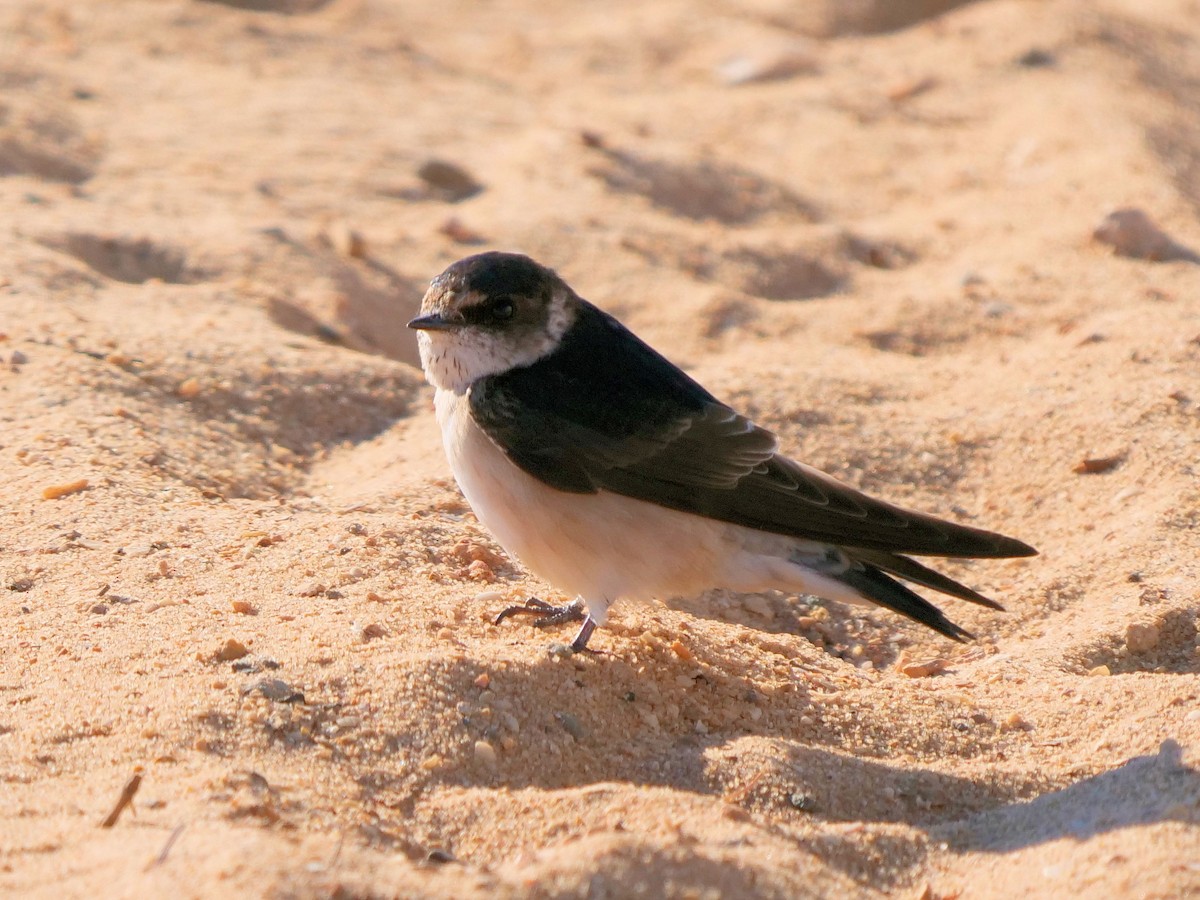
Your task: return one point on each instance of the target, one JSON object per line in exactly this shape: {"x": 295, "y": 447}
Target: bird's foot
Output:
{"x": 549, "y": 614}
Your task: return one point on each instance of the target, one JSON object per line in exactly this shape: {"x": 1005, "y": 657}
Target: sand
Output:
{"x": 235, "y": 574}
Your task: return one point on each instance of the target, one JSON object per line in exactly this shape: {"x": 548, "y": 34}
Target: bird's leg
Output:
{"x": 580, "y": 643}
{"x": 549, "y": 614}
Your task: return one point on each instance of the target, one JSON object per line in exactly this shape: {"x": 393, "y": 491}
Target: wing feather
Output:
{"x": 604, "y": 411}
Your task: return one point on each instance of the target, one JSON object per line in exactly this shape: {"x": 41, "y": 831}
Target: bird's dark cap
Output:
{"x": 495, "y": 273}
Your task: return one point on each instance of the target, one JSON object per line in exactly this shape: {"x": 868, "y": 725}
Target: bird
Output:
{"x": 613, "y": 475}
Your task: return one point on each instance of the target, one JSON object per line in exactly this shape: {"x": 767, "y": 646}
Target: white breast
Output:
{"x": 604, "y": 547}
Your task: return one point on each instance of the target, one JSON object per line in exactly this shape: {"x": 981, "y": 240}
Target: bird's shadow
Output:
{"x": 594, "y": 732}
{"x": 1157, "y": 787}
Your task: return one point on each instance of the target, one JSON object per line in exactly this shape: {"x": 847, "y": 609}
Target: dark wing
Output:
{"x": 606, "y": 412}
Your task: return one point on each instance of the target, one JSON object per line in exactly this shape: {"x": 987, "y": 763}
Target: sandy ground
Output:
{"x": 232, "y": 562}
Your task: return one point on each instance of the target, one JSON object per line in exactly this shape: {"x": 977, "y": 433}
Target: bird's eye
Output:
{"x": 503, "y": 309}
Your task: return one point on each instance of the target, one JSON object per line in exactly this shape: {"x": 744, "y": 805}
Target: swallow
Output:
{"x": 613, "y": 475}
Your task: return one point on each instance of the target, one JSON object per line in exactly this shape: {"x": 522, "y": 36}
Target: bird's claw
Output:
{"x": 547, "y": 613}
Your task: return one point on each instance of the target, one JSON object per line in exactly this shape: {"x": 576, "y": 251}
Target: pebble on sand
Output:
{"x": 1095, "y": 465}
{"x": 1131, "y": 232}
{"x": 448, "y": 180}
{"x": 189, "y": 388}
{"x": 232, "y": 649}
{"x": 485, "y": 753}
{"x": 771, "y": 62}
{"x": 55, "y": 491}
{"x": 1141, "y": 638}
{"x": 345, "y": 240}
{"x": 926, "y": 668}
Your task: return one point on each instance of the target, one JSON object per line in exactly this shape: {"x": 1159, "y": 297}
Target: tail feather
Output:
{"x": 878, "y": 587}
{"x": 911, "y": 570}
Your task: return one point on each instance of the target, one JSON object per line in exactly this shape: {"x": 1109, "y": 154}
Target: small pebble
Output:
{"x": 277, "y": 690}
{"x": 431, "y": 762}
{"x": 480, "y": 571}
{"x": 1036, "y": 58}
{"x": 449, "y": 180}
{"x": 230, "y": 651}
{"x": 1140, "y": 638}
{"x": 55, "y": 491}
{"x": 735, "y": 813}
{"x": 1131, "y": 232}
{"x": 649, "y": 718}
{"x": 801, "y": 801}
{"x": 189, "y": 388}
{"x": 346, "y": 241}
{"x": 483, "y": 680}
{"x": 1098, "y": 464}
{"x": 18, "y": 358}
{"x": 244, "y": 607}
{"x": 682, "y": 651}
{"x": 485, "y": 754}
{"x": 571, "y": 724}
{"x": 769, "y": 63}
{"x": 1125, "y": 494}
{"x": 1014, "y": 722}
{"x": 909, "y": 88}
{"x": 1100, "y": 670}
{"x": 371, "y": 631}
{"x": 925, "y": 669}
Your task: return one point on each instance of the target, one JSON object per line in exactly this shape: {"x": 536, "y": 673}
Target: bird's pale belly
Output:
{"x": 603, "y": 546}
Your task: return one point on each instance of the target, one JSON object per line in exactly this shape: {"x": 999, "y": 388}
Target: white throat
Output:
{"x": 454, "y": 360}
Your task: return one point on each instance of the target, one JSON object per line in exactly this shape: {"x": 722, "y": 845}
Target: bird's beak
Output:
{"x": 433, "y": 322}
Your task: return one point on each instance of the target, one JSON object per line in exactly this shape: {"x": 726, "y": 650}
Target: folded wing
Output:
{"x": 606, "y": 412}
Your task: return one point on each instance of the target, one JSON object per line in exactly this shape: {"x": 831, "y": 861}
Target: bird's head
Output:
{"x": 489, "y": 313}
